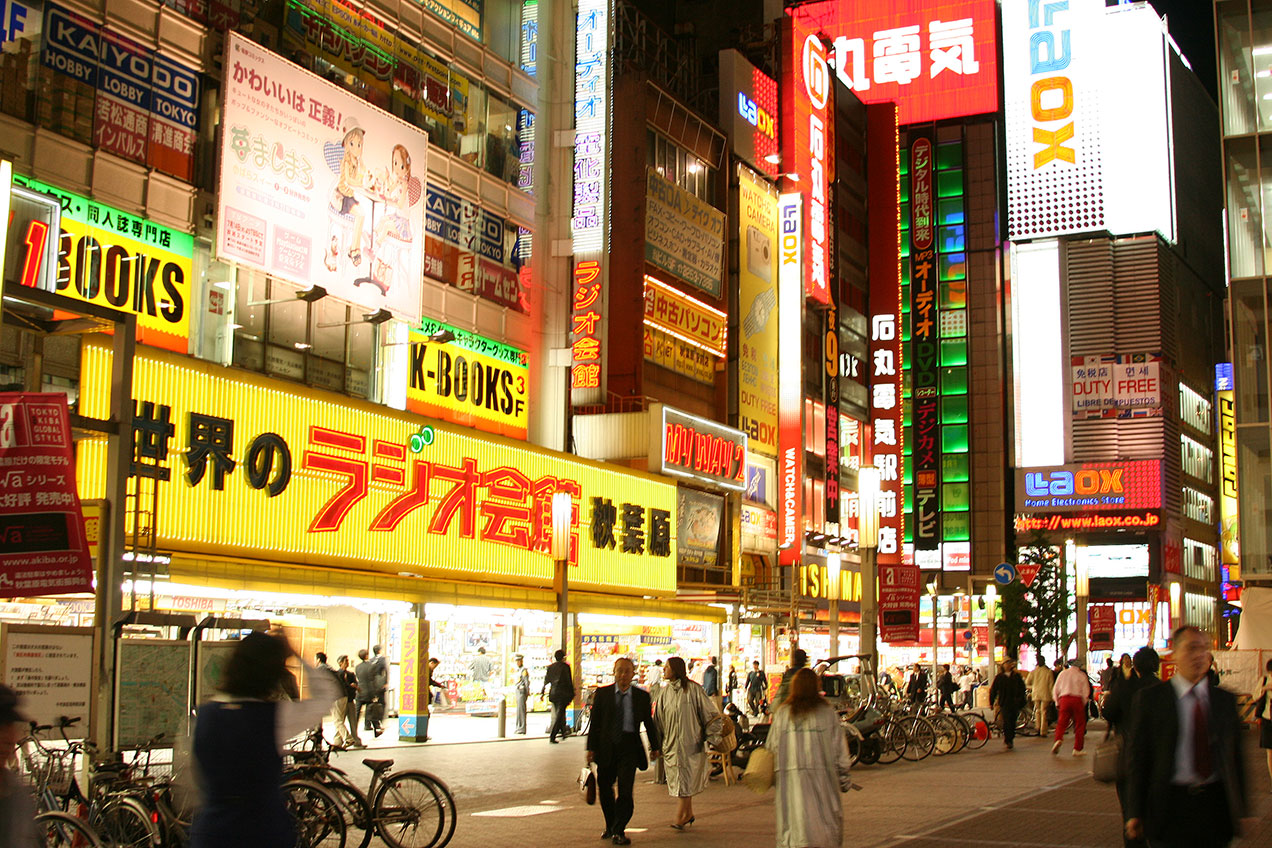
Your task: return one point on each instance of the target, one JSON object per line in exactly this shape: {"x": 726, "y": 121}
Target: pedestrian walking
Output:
{"x": 1106, "y": 674}
{"x": 1186, "y": 784}
{"x": 1008, "y": 695}
{"x": 1120, "y": 708}
{"x": 619, "y": 710}
{"x": 966, "y": 683}
{"x": 654, "y": 677}
{"x": 17, "y": 806}
{"x": 756, "y": 687}
{"x": 343, "y": 712}
{"x": 372, "y": 679}
{"x": 799, "y": 659}
{"x": 1263, "y": 713}
{"x": 730, "y": 690}
{"x": 1072, "y": 691}
{"x": 688, "y": 724}
{"x": 1040, "y": 682}
{"x": 810, "y": 767}
{"x": 916, "y": 688}
{"x": 522, "y": 689}
{"x": 711, "y": 683}
{"x": 946, "y": 687}
{"x": 238, "y": 747}
{"x": 558, "y": 682}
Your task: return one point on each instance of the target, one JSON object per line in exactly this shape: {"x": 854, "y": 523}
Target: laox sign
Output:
{"x": 1101, "y": 481}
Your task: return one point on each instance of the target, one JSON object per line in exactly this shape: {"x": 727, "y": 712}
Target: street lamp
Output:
{"x": 933, "y": 590}
{"x": 868, "y": 544}
{"x": 1082, "y": 585}
{"x": 562, "y": 513}
{"x": 832, "y": 572}
{"x": 1175, "y": 616}
{"x": 991, "y": 602}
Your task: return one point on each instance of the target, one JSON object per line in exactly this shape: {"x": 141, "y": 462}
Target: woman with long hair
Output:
{"x": 238, "y": 746}
{"x": 689, "y": 723}
{"x": 810, "y": 767}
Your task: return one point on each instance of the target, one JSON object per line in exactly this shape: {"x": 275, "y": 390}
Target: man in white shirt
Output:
{"x": 1186, "y": 782}
{"x": 1071, "y": 691}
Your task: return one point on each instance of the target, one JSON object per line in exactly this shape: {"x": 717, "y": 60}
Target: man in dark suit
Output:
{"x": 613, "y": 743}
{"x": 1186, "y": 785}
{"x": 558, "y": 682}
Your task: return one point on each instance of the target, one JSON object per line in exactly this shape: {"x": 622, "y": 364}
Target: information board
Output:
{"x": 212, "y": 657}
{"x": 52, "y": 669}
{"x": 152, "y": 693}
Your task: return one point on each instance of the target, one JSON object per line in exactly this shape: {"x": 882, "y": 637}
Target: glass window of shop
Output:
{"x": 644, "y": 641}
{"x": 1260, "y": 39}
{"x": 323, "y": 344}
{"x": 1254, "y": 471}
{"x": 680, "y": 166}
{"x": 1245, "y": 218}
{"x": 1237, "y": 67}
{"x": 1250, "y": 349}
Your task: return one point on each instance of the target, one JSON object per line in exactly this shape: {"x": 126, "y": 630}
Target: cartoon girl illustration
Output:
{"x": 395, "y": 184}
{"x": 352, "y": 176}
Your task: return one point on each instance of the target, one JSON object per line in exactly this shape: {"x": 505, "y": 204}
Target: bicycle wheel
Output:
{"x": 354, "y": 806}
{"x": 921, "y": 738}
{"x": 893, "y": 743}
{"x": 854, "y": 739}
{"x": 125, "y": 823}
{"x": 448, "y": 807}
{"x": 409, "y": 812}
{"x": 946, "y": 734}
{"x": 316, "y": 813}
{"x": 63, "y": 830}
{"x": 964, "y": 730}
{"x": 980, "y": 731}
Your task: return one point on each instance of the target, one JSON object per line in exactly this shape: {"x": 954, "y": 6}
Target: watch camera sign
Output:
{"x": 790, "y": 424}
{"x": 1093, "y": 486}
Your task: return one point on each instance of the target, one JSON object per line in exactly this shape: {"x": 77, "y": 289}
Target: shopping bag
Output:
{"x": 728, "y": 737}
{"x": 1104, "y": 763}
{"x": 758, "y": 776}
{"x": 375, "y": 712}
{"x": 587, "y": 783}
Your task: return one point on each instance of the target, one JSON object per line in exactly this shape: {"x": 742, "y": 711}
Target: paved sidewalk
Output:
{"x": 522, "y": 792}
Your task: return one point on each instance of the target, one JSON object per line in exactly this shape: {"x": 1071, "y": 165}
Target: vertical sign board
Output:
{"x": 413, "y": 702}
{"x": 831, "y": 363}
{"x": 807, "y": 134}
{"x": 757, "y": 305}
{"x": 43, "y": 546}
{"x": 588, "y": 222}
{"x": 924, "y": 370}
{"x": 898, "y": 581}
{"x": 790, "y": 421}
{"x": 1229, "y": 517}
{"x": 51, "y": 668}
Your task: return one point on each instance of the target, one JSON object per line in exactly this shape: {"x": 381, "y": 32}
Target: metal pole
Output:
{"x": 1082, "y": 628}
{"x": 869, "y": 607}
{"x": 563, "y": 601}
{"x": 936, "y": 639}
{"x": 992, "y": 601}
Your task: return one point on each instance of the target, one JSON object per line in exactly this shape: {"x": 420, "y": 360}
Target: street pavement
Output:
{"x": 522, "y": 792}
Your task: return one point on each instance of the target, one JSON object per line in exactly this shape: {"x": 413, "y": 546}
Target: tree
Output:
{"x": 1037, "y": 615}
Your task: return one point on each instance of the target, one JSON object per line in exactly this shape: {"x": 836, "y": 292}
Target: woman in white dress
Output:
{"x": 689, "y": 723}
{"x": 810, "y": 767}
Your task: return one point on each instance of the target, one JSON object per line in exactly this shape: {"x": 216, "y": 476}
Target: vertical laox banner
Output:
{"x": 924, "y": 370}
{"x": 806, "y": 133}
{"x": 790, "y": 422}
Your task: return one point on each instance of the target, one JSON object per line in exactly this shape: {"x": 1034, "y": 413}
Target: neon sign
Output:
{"x": 755, "y": 116}
{"x": 1093, "y": 486}
{"x": 790, "y": 382}
{"x": 696, "y": 447}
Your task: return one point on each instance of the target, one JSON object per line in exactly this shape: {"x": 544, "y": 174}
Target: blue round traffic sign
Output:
{"x": 1004, "y": 573}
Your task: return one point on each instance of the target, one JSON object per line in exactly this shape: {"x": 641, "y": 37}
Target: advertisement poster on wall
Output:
{"x": 474, "y": 250}
{"x": 684, "y": 236}
{"x": 700, "y": 518}
{"x": 43, "y": 546}
{"x": 470, "y": 380}
{"x": 757, "y": 303}
{"x": 1124, "y": 385}
{"x": 318, "y": 187}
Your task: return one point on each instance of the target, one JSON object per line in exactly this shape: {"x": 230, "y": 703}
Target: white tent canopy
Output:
{"x": 1255, "y": 631}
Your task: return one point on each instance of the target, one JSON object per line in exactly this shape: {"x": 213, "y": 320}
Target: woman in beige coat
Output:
{"x": 689, "y": 723}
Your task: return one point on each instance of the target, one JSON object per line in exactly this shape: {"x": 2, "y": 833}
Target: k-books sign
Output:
{"x": 317, "y": 186}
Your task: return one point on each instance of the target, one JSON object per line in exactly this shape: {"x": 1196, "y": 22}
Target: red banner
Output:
{"x": 43, "y": 547}
{"x": 1101, "y": 622}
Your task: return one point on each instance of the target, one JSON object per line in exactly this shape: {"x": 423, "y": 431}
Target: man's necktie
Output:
{"x": 1201, "y": 738}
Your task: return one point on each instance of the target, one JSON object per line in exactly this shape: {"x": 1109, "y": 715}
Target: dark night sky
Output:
{"x": 1192, "y": 26}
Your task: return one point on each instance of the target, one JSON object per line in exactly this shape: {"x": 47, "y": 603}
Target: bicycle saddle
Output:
{"x": 378, "y": 766}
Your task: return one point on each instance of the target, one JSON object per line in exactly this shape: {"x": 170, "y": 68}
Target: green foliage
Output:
{"x": 1035, "y": 616}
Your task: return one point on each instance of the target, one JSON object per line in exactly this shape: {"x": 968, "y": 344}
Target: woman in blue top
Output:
{"x": 238, "y": 745}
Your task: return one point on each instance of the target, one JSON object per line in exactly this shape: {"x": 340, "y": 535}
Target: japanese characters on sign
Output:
{"x": 147, "y": 106}
{"x": 830, "y": 361}
{"x": 317, "y": 186}
{"x": 1125, "y": 385}
{"x": 52, "y": 669}
{"x": 678, "y": 355}
{"x": 935, "y": 58}
{"x": 474, "y": 250}
{"x": 807, "y": 130}
{"x": 43, "y": 546}
{"x": 757, "y": 305}
{"x": 464, "y": 15}
{"x": 748, "y": 112}
{"x": 122, "y": 261}
{"x": 1229, "y": 513}
{"x": 790, "y": 408}
{"x": 686, "y": 318}
{"x": 346, "y": 37}
{"x": 684, "y": 236}
{"x": 1134, "y": 484}
{"x": 586, "y": 325}
{"x": 701, "y": 449}
{"x": 1077, "y": 78}
{"x": 925, "y": 369}
{"x": 898, "y": 602}
{"x": 591, "y": 125}
{"x": 471, "y": 380}
{"x": 249, "y": 465}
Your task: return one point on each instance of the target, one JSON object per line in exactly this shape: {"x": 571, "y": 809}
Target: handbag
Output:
{"x": 728, "y": 737}
{"x": 587, "y": 784}
{"x": 1093, "y": 710}
{"x": 758, "y": 776}
{"x": 1105, "y": 762}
